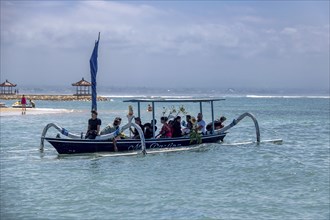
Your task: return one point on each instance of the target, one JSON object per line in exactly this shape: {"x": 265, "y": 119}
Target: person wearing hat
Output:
{"x": 94, "y": 125}
{"x": 112, "y": 127}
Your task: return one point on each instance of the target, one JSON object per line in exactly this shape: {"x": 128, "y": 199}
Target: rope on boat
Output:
{"x": 236, "y": 121}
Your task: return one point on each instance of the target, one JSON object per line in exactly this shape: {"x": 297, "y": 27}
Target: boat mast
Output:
{"x": 212, "y": 115}
{"x": 93, "y": 69}
{"x": 153, "y": 119}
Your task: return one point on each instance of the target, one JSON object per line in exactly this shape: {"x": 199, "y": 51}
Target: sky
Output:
{"x": 168, "y": 44}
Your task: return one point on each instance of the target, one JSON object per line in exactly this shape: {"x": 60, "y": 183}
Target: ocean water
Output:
{"x": 231, "y": 180}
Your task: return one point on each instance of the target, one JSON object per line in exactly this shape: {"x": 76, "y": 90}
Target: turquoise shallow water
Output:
{"x": 216, "y": 181}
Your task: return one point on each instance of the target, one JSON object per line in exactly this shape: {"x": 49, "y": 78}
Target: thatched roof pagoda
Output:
{"x": 83, "y": 87}
{"x": 7, "y": 88}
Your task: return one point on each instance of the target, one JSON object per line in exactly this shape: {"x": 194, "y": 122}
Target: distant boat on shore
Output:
{"x": 3, "y": 105}
{"x": 19, "y": 105}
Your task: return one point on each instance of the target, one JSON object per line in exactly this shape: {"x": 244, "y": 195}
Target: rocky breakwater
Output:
{"x": 52, "y": 97}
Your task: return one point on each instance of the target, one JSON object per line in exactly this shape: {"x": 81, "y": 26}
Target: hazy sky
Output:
{"x": 225, "y": 44}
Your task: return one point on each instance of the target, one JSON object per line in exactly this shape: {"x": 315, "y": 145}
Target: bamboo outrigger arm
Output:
{"x": 110, "y": 136}
{"x": 60, "y": 129}
{"x": 236, "y": 121}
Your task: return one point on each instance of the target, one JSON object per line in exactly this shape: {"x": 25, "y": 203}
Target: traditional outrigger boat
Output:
{"x": 69, "y": 143}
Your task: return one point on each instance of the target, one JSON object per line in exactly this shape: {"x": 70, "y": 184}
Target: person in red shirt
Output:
{"x": 166, "y": 131}
{"x": 23, "y": 103}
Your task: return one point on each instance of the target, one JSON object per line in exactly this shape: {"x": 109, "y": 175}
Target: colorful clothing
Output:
{"x": 23, "y": 101}
{"x": 166, "y": 131}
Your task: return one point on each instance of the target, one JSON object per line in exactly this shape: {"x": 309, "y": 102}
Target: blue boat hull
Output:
{"x": 74, "y": 146}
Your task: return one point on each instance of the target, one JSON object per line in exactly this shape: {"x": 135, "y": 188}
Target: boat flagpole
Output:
{"x": 93, "y": 69}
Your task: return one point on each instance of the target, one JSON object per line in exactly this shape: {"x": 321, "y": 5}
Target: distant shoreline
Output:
{"x": 52, "y": 97}
{"x": 9, "y": 111}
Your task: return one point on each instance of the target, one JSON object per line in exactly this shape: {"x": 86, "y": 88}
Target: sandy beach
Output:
{"x": 51, "y": 97}
{"x": 31, "y": 111}
{"x": 3, "y": 110}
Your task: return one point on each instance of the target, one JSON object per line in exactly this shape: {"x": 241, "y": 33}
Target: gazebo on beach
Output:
{"x": 7, "y": 88}
{"x": 83, "y": 87}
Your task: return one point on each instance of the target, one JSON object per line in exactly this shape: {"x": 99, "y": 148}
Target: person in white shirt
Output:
{"x": 201, "y": 125}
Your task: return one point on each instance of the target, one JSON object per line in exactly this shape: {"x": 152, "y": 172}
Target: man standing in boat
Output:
{"x": 94, "y": 125}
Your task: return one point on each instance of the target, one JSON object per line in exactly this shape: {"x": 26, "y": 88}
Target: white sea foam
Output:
{"x": 125, "y": 96}
{"x": 148, "y": 96}
{"x": 222, "y": 95}
{"x": 287, "y": 96}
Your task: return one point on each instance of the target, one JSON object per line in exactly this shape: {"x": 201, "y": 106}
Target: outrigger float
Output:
{"x": 70, "y": 143}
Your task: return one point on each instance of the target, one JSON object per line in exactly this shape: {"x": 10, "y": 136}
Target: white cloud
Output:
{"x": 147, "y": 29}
{"x": 133, "y": 29}
{"x": 289, "y": 31}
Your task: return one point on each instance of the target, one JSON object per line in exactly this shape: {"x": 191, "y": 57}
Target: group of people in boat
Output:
{"x": 169, "y": 129}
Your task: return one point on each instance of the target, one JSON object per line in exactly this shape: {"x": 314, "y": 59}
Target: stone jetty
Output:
{"x": 52, "y": 97}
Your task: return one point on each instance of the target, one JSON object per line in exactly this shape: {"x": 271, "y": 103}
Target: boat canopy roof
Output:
{"x": 175, "y": 100}
{"x": 162, "y": 100}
